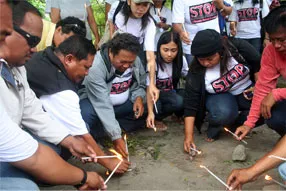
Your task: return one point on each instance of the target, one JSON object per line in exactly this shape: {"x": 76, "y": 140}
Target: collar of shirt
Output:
{"x": 6, "y": 73}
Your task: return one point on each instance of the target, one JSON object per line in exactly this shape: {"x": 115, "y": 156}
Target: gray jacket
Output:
{"x": 98, "y": 85}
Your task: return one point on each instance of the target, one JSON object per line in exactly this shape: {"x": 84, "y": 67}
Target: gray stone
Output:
{"x": 239, "y": 153}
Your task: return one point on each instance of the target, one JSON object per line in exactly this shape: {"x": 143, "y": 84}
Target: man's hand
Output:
{"x": 239, "y": 177}
{"x": 112, "y": 163}
{"x": 93, "y": 182}
{"x": 138, "y": 107}
{"x": 119, "y": 146}
{"x": 218, "y": 4}
{"x": 150, "y": 121}
{"x": 154, "y": 92}
{"x": 232, "y": 28}
{"x": 78, "y": 147}
{"x": 242, "y": 131}
{"x": 184, "y": 36}
{"x": 189, "y": 143}
{"x": 266, "y": 106}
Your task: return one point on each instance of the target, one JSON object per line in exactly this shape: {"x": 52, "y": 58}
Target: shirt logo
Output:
{"x": 249, "y": 14}
{"x": 120, "y": 87}
{"x": 165, "y": 84}
{"x": 225, "y": 82}
{"x": 202, "y": 12}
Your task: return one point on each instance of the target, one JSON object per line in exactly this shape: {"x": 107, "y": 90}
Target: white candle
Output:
{"x": 126, "y": 146}
{"x": 274, "y": 156}
{"x": 105, "y": 182}
{"x": 184, "y": 27}
{"x": 199, "y": 152}
{"x": 235, "y": 135}
{"x": 267, "y": 177}
{"x": 215, "y": 176}
{"x": 98, "y": 157}
{"x": 156, "y": 109}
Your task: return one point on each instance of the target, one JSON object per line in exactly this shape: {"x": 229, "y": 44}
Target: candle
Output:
{"x": 267, "y": 177}
{"x": 274, "y": 156}
{"x": 154, "y": 128}
{"x": 108, "y": 178}
{"x": 198, "y": 151}
{"x": 235, "y": 135}
{"x": 156, "y": 109}
{"x": 184, "y": 27}
{"x": 98, "y": 157}
{"x": 84, "y": 16}
{"x": 215, "y": 176}
{"x": 126, "y": 146}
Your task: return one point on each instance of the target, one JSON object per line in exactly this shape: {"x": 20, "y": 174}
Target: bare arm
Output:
{"x": 189, "y": 133}
{"x": 111, "y": 29}
{"x": 92, "y": 24}
{"x": 151, "y": 68}
{"x": 151, "y": 116}
{"x": 107, "y": 8}
{"x": 55, "y": 15}
{"x": 184, "y": 35}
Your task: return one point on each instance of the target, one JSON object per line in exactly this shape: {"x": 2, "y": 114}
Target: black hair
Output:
{"x": 166, "y": 38}
{"x": 275, "y": 19}
{"x": 73, "y": 24}
{"x": 254, "y": 2}
{"x": 19, "y": 10}
{"x": 126, "y": 11}
{"x": 225, "y": 55}
{"x": 124, "y": 41}
{"x": 78, "y": 46}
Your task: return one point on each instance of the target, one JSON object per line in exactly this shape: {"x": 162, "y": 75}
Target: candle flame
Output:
{"x": 199, "y": 152}
{"x": 267, "y": 177}
{"x": 85, "y": 6}
{"x": 119, "y": 156}
{"x": 226, "y": 129}
{"x": 202, "y": 166}
{"x": 107, "y": 173}
{"x": 125, "y": 137}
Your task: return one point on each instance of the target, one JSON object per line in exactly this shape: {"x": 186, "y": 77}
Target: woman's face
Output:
{"x": 169, "y": 51}
{"x": 138, "y": 10}
{"x": 210, "y": 61}
{"x": 278, "y": 40}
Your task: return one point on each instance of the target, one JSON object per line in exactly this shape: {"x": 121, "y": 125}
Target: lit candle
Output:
{"x": 108, "y": 178}
{"x": 274, "y": 156}
{"x": 126, "y": 146}
{"x": 99, "y": 157}
{"x": 215, "y": 176}
{"x": 235, "y": 135}
{"x": 154, "y": 128}
{"x": 267, "y": 177}
{"x": 198, "y": 151}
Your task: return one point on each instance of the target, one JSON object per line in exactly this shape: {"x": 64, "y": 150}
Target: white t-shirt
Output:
{"x": 164, "y": 81}
{"x": 120, "y": 89}
{"x": 248, "y": 18}
{"x": 110, "y": 2}
{"x": 75, "y": 8}
{"x": 15, "y": 144}
{"x": 234, "y": 81}
{"x": 133, "y": 26}
{"x": 64, "y": 108}
{"x": 196, "y": 15}
{"x": 164, "y": 13}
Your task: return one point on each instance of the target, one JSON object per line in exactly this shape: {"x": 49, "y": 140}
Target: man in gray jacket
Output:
{"x": 114, "y": 90}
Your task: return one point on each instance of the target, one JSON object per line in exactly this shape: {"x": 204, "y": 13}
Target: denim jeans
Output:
{"x": 282, "y": 170}
{"x": 17, "y": 184}
{"x": 223, "y": 110}
{"x": 124, "y": 115}
{"x": 255, "y": 42}
{"x": 277, "y": 121}
{"x": 168, "y": 103}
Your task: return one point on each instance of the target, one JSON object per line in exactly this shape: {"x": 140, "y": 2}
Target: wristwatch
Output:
{"x": 83, "y": 181}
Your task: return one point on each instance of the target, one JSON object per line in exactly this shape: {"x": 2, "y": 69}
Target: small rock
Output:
{"x": 239, "y": 153}
{"x": 148, "y": 156}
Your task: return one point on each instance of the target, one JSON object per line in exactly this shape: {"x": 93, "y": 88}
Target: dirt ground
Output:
{"x": 159, "y": 162}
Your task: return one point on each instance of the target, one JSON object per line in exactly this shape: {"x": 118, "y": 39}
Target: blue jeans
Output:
{"x": 277, "y": 121}
{"x": 255, "y": 42}
{"x": 124, "y": 115}
{"x": 169, "y": 102}
{"x": 223, "y": 110}
{"x": 282, "y": 170}
{"x": 17, "y": 184}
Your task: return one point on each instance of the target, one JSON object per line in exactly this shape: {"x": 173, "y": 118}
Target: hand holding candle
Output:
{"x": 156, "y": 109}
{"x": 267, "y": 177}
{"x": 126, "y": 146}
{"x": 215, "y": 176}
{"x": 235, "y": 135}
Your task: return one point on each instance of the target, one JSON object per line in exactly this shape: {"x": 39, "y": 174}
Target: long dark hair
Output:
{"x": 225, "y": 54}
{"x": 166, "y": 38}
{"x": 254, "y": 2}
{"x": 126, "y": 11}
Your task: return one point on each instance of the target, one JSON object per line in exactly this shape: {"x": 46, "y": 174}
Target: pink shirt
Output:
{"x": 273, "y": 64}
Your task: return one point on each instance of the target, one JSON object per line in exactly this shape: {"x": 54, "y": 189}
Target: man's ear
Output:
{"x": 129, "y": 2}
{"x": 59, "y": 29}
{"x": 68, "y": 59}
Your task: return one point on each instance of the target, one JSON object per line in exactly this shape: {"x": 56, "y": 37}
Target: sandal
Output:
{"x": 161, "y": 126}
{"x": 210, "y": 140}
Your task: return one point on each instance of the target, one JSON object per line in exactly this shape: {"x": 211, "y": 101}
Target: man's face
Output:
{"x": 278, "y": 39}
{"x": 77, "y": 69}
{"x": 6, "y": 27}
{"x": 59, "y": 36}
{"x": 20, "y": 50}
{"x": 123, "y": 60}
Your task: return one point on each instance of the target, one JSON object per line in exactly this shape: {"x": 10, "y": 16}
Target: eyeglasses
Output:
{"x": 31, "y": 39}
{"x": 76, "y": 29}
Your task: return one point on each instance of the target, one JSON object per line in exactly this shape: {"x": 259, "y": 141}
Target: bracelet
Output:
{"x": 83, "y": 181}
